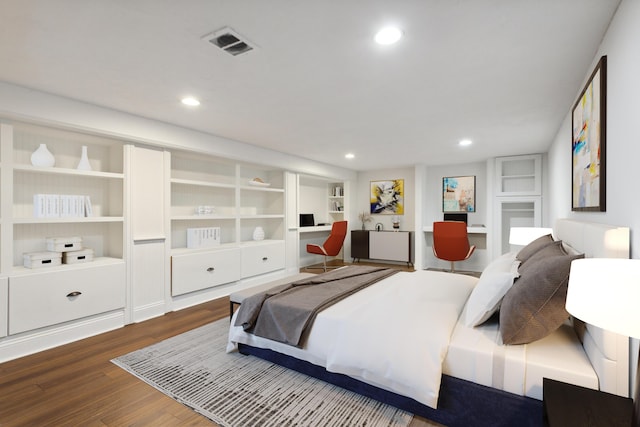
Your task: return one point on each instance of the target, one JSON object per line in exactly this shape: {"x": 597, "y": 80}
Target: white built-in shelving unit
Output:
{"x": 518, "y": 201}
{"x": 235, "y": 197}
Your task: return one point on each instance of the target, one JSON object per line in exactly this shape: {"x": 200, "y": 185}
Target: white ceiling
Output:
{"x": 501, "y": 72}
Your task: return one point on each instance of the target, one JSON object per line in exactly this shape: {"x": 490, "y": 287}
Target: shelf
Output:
{"x": 66, "y": 171}
{"x": 68, "y": 220}
{"x": 201, "y": 183}
{"x": 202, "y": 217}
{"x": 264, "y": 189}
{"x": 262, "y": 216}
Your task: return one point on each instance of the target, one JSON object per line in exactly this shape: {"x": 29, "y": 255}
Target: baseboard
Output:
{"x": 24, "y": 344}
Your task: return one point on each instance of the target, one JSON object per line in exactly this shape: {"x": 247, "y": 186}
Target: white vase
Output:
{"x": 84, "y": 164}
{"x": 42, "y": 157}
{"x": 258, "y": 233}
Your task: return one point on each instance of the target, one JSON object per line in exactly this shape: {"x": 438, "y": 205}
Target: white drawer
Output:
{"x": 262, "y": 258}
{"x": 202, "y": 270}
{"x": 50, "y": 297}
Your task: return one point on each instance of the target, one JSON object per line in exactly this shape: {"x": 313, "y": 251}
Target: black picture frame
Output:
{"x": 588, "y": 144}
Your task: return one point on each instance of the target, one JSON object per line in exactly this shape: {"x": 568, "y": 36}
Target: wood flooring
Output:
{"x": 77, "y": 385}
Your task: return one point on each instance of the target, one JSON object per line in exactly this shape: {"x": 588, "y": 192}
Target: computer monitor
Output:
{"x": 456, "y": 217}
{"x": 307, "y": 220}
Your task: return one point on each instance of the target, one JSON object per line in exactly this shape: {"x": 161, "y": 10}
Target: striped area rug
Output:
{"x": 234, "y": 390}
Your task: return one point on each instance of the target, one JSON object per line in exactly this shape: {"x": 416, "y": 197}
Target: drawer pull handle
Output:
{"x": 264, "y": 258}
{"x": 74, "y": 294}
{"x": 210, "y": 269}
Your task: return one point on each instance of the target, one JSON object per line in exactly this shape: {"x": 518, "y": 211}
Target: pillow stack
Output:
{"x": 535, "y": 305}
{"x": 528, "y": 288}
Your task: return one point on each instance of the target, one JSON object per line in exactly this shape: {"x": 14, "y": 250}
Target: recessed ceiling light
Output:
{"x": 388, "y": 35}
{"x": 190, "y": 101}
{"x": 465, "y": 142}
{"x": 349, "y": 156}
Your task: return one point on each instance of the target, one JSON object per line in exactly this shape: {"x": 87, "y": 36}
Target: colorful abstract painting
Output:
{"x": 387, "y": 197}
{"x": 459, "y": 194}
{"x": 588, "y": 144}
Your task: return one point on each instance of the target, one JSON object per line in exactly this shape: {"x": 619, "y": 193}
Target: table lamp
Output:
{"x": 605, "y": 292}
{"x": 522, "y": 236}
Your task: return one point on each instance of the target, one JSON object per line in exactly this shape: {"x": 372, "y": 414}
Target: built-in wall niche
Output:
{"x": 105, "y": 154}
{"x": 104, "y": 191}
{"x": 261, "y": 201}
{"x": 202, "y": 200}
{"x": 192, "y": 168}
{"x": 256, "y": 176}
{"x": 516, "y": 212}
{"x": 179, "y": 231}
{"x": 273, "y": 228}
{"x": 104, "y": 237}
{"x": 313, "y": 196}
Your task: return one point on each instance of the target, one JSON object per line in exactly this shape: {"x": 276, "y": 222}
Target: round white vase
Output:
{"x": 84, "y": 164}
{"x": 258, "y": 233}
{"x": 42, "y": 157}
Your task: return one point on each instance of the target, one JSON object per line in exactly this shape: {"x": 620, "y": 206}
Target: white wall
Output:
{"x": 620, "y": 44}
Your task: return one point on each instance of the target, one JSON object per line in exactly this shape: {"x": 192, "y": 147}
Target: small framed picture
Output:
{"x": 459, "y": 194}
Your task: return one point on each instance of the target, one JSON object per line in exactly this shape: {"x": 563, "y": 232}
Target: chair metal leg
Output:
{"x": 452, "y": 267}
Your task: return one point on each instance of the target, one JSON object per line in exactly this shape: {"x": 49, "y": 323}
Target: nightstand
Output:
{"x": 569, "y": 405}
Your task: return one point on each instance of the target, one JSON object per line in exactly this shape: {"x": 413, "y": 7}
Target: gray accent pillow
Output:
{"x": 535, "y": 305}
{"x": 555, "y": 248}
{"x": 533, "y": 247}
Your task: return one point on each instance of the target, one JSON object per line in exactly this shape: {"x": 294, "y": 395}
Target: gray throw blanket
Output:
{"x": 285, "y": 313}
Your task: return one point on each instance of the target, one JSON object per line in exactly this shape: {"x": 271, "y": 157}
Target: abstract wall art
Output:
{"x": 387, "y": 197}
{"x": 588, "y": 138}
{"x": 459, "y": 194}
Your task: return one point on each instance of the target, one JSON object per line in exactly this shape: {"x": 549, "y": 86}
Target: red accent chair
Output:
{"x": 451, "y": 242}
{"x": 333, "y": 244}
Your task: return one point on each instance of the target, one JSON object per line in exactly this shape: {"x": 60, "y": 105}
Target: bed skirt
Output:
{"x": 461, "y": 403}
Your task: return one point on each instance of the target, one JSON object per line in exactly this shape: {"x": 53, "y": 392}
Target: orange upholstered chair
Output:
{"x": 450, "y": 241}
{"x": 333, "y": 244}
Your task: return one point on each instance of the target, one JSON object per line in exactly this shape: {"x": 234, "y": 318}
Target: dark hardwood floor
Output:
{"x": 77, "y": 385}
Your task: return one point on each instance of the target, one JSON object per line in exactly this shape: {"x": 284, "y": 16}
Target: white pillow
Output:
{"x": 506, "y": 262}
{"x": 486, "y": 297}
{"x": 495, "y": 281}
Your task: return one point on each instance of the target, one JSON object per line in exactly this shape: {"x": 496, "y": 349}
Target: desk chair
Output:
{"x": 333, "y": 244}
{"x": 451, "y": 242}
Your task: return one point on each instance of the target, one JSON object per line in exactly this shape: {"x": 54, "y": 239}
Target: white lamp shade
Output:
{"x": 605, "y": 292}
{"x": 522, "y": 236}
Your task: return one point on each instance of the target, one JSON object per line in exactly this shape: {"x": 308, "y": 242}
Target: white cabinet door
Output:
{"x": 391, "y": 246}
{"x": 50, "y": 297}
{"x": 262, "y": 258}
{"x": 202, "y": 270}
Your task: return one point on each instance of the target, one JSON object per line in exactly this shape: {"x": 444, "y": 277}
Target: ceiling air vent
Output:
{"x": 229, "y": 41}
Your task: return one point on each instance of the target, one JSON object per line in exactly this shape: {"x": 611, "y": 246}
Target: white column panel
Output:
{"x": 147, "y": 193}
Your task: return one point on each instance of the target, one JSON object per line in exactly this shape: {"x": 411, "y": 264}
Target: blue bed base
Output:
{"x": 461, "y": 403}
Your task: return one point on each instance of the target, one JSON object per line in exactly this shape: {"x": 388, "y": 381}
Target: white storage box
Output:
{"x": 64, "y": 244}
{"x": 42, "y": 259}
{"x": 74, "y": 257}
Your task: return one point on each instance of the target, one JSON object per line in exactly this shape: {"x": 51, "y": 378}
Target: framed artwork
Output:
{"x": 387, "y": 197}
{"x": 588, "y": 144}
{"x": 459, "y": 194}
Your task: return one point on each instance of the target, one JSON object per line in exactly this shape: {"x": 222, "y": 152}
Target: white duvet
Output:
{"x": 393, "y": 335}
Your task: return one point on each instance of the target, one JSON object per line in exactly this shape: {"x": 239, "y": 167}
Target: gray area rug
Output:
{"x": 235, "y": 390}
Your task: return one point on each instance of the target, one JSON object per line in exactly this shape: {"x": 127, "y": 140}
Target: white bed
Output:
{"x": 386, "y": 349}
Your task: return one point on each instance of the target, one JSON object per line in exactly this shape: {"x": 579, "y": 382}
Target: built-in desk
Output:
{"x": 314, "y": 229}
{"x": 470, "y": 230}
{"x": 382, "y": 245}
